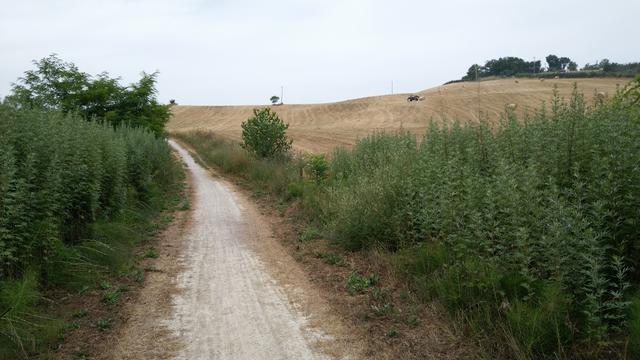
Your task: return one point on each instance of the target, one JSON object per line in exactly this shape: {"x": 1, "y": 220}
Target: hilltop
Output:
{"x": 321, "y": 127}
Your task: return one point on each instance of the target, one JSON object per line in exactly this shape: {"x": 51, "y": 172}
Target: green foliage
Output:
{"x": 540, "y": 326}
{"x": 310, "y": 232}
{"x": 504, "y": 66}
{"x": 331, "y": 259}
{"x": 23, "y": 328}
{"x": 421, "y": 260}
{"x": 264, "y": 134}
{"x": 274, "y": 99}
{"x": 357, "y": 283}
{"x": 81, "y": 313}
{"x": 59, "y": 85}
{"x": 543, "y": 204}
{"x": 554, "y": 63}
{"x": 634, "y": 325}
{"x": 75, "y": 198}
{"x": 384, "y": 309}
{"x": 137, "y": 275}
{"x": 103, "y": 324}
{"x": 359, "y": 198}
{"x": 392, "y": 332}
{"x": 557, "y": 66}
{"x": 606, "y": 66}
{"x": 112, "y": 296}
{"x": 61, "y": 174}
{"x": 105, "y": 285}
{"x": 317, "y": 166}
{"x": 631, "y": 93}
{"x": 151, "y": 253}
{"x": 266, "y": 175}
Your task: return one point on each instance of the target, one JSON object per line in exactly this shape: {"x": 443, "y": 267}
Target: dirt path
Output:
{"x": 232, "y": 302}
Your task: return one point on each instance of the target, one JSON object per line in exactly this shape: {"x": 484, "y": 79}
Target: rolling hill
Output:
{"x": 321, "y": 127}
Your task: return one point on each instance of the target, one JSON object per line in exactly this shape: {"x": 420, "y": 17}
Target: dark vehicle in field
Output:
{"x": 413, "y": 98}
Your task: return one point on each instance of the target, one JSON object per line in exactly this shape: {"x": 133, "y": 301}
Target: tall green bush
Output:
{"x": 265, "y": 134}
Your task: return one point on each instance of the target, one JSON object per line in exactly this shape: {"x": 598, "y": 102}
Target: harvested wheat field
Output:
{"x": 321, "y": 127}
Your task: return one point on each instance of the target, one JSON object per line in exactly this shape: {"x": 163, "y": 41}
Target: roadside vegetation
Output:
{"x": 526, "y": 232}
{"x": 78, "y": 192}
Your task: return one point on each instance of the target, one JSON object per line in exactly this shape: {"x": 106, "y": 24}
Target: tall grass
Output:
{"x": 75, "y": 197}
{"x": 527, "y": 232}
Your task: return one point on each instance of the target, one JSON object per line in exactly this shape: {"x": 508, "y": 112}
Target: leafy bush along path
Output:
{"x": 230, "y": 306}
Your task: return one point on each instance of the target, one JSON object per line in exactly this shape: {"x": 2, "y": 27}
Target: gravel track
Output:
{"x": 228, "y": 306}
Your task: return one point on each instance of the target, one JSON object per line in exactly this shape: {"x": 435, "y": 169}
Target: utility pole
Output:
{"x": 478, "y": 92}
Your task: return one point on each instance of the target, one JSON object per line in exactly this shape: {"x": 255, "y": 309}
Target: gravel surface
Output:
{"x": 228, "y": 306}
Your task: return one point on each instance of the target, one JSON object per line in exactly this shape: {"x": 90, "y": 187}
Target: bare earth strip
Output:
{"x": 321, "y": 127}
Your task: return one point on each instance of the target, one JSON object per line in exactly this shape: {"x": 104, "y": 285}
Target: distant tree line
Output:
{"x": 511, "y": 65}
{"x": 505, "y": 66}
{"x": 609, "y": 66}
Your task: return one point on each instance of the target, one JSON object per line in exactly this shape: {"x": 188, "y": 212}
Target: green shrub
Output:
{"x": 264, "y": 134}
{"x": 357, "y": 283}
{"x": 317, "y": 166}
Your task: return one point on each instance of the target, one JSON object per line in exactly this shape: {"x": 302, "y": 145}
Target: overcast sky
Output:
{"x": 240, "y": 52}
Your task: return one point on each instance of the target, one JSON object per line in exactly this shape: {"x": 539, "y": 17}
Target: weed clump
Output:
{"x": 103, "y": 324}
{"x": 357, "y": 283}
{"x": 331, "y": 259}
